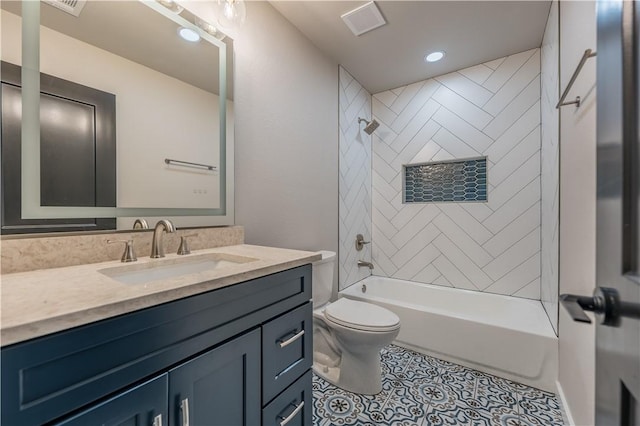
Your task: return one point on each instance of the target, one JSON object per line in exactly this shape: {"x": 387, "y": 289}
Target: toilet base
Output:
{"x": 330, "y": 374}
{"x": 358, "y": 376}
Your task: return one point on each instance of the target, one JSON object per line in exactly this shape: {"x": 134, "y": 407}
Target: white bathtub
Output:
{"x": 501, "y": 335}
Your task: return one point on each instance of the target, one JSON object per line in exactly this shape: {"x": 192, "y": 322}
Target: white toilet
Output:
{"x": 348, "y": 334}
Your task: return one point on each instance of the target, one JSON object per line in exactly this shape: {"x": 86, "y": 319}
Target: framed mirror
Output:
{"x": 172, "y": 124}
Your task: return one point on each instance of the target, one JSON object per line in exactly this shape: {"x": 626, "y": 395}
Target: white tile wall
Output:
{"x": 550, "y": 155}
{"x": 355, "y": 179}
{"x": 493, "y": 110}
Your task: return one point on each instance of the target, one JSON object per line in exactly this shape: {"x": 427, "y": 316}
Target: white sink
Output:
{"x": 162, "y": 269}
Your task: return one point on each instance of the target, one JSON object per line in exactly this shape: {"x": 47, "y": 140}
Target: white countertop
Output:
{"x": 41, "y": 302}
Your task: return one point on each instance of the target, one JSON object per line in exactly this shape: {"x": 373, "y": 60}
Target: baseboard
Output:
{"x": 566, "y": 412}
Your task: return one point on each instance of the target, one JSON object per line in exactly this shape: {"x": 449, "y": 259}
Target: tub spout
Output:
{"x": 362, "y": 263}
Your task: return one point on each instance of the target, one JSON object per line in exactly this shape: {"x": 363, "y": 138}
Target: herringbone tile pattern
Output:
{"x": 355, "y": 179}
{"x": 492, "y": 110}
{"x": 550, "y": 159}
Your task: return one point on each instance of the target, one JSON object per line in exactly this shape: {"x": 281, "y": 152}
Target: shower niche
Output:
{"x": 454, "y": 180}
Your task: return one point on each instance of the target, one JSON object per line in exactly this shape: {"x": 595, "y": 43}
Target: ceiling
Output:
{"x": 470, "y": 32}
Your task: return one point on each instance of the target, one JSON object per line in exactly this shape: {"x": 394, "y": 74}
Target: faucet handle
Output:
{"x": 360, "y": 242}
{"x": 184, "y": 244}
{"x": 129, "y": 255}
{"x": 140, "y": 223}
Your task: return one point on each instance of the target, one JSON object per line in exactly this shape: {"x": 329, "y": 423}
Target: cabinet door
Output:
{"x": 144, "y": 405}
{"x": 220, "y": 387}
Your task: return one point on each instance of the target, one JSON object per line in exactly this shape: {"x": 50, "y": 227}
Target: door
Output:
{"x": 220, "y": 387}
{"x": 77, "y": 152}
{"x": 144, "y": 405}
{"x": 618, "y": 218}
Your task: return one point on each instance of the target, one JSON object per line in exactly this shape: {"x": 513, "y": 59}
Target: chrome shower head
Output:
{"x": 371, "y": 125}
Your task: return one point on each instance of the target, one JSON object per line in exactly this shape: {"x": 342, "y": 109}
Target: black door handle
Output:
{"x": 605, "y": 302}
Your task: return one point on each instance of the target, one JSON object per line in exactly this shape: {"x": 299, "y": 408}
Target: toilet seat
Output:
{"x": 361, "y": 316}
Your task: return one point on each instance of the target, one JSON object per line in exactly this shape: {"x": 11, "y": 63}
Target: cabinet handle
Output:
{"x": 284, "y": 343}
{"x": 157, "y": 420}
{"x": 290, "y": 417}
{"x": 184, "y": 407}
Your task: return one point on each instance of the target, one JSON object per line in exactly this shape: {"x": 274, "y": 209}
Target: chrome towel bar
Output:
{"x": 587, "y": 54}
{"x": 189, "y": 164}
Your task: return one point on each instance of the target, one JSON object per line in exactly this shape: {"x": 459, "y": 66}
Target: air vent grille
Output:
{"x": 364, "y": 19}
{"x": 72, "y": 7}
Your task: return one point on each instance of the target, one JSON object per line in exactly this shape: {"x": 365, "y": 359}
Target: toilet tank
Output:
{"x": 322, "y": 278}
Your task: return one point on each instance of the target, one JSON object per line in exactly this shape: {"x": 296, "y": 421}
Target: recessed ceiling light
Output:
{"x": 434, "y": 56}
{"x": 188, "y": 34}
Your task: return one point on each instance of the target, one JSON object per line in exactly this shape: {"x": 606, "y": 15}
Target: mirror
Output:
{"x": 173, "y": 114}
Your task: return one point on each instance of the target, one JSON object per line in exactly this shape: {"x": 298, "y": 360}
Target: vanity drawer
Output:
{"x": 287, "y": 350}
{"x": 293, "y": 407}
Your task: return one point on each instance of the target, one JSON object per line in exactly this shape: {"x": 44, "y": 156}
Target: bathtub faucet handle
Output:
{"x": 360, "y": 242}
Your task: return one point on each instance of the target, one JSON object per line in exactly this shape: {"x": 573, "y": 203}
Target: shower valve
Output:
{"x": 360, "y": 242}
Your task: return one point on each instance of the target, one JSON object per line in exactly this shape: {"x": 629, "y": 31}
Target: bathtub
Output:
{"x": 506, "y": 336}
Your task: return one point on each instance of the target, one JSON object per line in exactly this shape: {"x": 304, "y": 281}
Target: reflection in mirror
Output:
{"x": 167, "y": 104}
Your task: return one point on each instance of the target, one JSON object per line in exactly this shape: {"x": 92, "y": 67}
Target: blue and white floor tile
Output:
{"x": 418, "y": 390}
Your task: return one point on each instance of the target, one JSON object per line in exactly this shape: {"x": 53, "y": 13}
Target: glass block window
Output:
{"x": 459, "y": 181}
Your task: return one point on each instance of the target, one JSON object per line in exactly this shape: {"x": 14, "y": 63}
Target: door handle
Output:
{"x": 605, "y": 302}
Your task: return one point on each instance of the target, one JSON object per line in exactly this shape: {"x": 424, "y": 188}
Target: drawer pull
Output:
{"x": 184, "y": 407}
{"x": 157, "y": 420}
{"x": 284, "y": 343}
{"x": 294, "y": 413}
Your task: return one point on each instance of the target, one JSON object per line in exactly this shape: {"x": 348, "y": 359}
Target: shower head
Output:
{"x": 371, "y": 125}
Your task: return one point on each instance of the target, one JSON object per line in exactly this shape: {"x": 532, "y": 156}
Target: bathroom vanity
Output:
{"x": 236, "y": 351}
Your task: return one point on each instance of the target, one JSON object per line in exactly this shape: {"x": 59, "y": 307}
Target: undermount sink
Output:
{"x": 163, "y": 269}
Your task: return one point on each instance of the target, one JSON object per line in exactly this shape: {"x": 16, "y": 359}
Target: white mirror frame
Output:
{"x": 31, "y": 208}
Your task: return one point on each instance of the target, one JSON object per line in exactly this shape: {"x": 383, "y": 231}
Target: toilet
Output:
{"x": 348, "y": 334}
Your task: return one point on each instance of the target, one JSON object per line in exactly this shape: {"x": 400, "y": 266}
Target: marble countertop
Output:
{"x": 45, "y": 301}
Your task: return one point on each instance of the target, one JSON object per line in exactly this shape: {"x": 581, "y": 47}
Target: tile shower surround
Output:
{"x": 354, "y": 179}
{"x": 489, "y": 110}
{"x": 420, "y": 390}
{"x": 550, "y": 165}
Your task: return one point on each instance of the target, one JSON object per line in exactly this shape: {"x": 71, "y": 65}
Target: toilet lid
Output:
{"x": 361, "y": 315}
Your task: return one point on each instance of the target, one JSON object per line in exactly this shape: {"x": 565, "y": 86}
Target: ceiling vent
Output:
{"x": 72, "y": 7}
{"x": 363, "y": 19}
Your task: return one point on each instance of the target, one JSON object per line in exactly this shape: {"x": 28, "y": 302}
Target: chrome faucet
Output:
{"x": 156, "y": 244}
{"x": 362, "y": 263}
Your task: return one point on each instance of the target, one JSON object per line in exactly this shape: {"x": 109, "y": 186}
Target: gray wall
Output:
{"x": 286, "y": 99}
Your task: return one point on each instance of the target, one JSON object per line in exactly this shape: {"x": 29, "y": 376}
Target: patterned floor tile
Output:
{"x": 418, "y": 390}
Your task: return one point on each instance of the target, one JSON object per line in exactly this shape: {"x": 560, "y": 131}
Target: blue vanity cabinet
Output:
{"x": 287, "y": 350}
{"x": 144, "y": 405}
{"x": 220, "y": 387}
{"x": 198, "y": 358}
{"x": 293, "y": 407}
